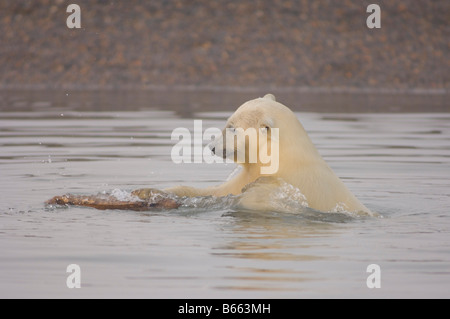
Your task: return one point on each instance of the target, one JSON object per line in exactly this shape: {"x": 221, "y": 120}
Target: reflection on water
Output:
{"x": 267, "y": 235}
{"x": 272, "y": 249}
{"x": 396, "y": 164}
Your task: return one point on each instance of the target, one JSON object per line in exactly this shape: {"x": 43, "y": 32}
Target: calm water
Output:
{"x": 397, "y": 164}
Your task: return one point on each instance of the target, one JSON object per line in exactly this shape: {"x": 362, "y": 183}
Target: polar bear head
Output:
{"x": 264, "y": 134}
{"x": 257, "y": 131}
{"x": 250, "y": 137}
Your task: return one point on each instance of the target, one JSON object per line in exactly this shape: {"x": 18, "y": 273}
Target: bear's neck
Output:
{"x": 251, "y": 172}
{"x": 295, "y": 155}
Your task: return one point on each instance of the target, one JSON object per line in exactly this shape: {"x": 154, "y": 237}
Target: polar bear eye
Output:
{"x": 231, "y": 129}
{"x": 266, "y": 124}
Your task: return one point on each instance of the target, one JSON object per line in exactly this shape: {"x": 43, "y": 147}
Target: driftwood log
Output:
{"x": 146, "y": 199}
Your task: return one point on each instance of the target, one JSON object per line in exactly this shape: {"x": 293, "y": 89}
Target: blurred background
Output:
{"x": 214, "y": 55}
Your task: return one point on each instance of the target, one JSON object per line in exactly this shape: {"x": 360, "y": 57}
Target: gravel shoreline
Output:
{"x": 314, "y": 55}
{"x": 319, "y": 43}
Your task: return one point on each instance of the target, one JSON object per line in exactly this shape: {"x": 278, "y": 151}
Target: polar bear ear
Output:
{"x": 270, "y": 97}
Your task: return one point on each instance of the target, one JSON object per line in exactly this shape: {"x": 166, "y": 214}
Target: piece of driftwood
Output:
{"x": 146, "y": 199}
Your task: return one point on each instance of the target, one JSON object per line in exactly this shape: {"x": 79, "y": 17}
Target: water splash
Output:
{"x": 123, "y": 195}
{"x": 288, "y": 197}
{"x": 208, "y": 204}
{"x": 267, "y": 195}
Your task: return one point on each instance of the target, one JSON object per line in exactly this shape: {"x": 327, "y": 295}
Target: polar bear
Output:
{"x": 281, "y": 155}
{"x": 299, "y": 163}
